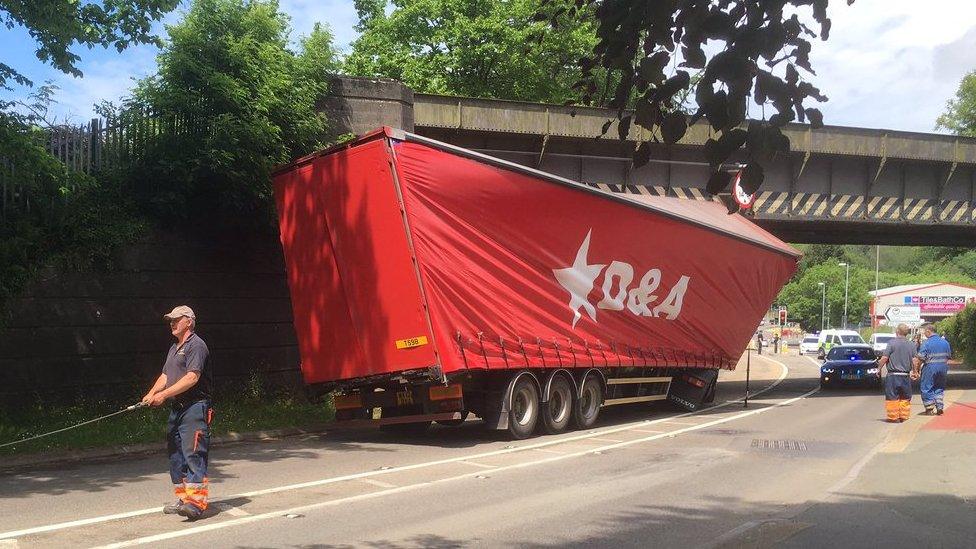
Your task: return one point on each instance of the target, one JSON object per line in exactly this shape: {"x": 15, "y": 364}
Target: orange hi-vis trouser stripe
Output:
{"x": 180, "y": 490}
{"x": 898, "y": 409}
{"x": 197, "y": 494}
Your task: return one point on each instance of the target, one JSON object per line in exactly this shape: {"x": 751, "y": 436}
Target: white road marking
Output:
{"x": 646, "y": 431}
{"x": 473, "y": 464}
{"x": 601, "y": 439}
{"x": 508, "y": 449}
{"x": 681, "y": 422}
{"x": 549, "y": 451}
{"x": 322, "y": 504}
{"x": 379, "y": 483}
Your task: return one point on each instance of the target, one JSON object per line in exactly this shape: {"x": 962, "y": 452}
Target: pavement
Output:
{"x": 798, "y": 467}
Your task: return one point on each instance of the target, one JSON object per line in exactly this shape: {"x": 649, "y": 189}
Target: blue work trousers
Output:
{"x": 932, "y": 384}
{"x": 188, "y": 442}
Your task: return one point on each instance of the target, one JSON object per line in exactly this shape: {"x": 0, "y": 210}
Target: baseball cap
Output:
{"x": 178, "y": 311}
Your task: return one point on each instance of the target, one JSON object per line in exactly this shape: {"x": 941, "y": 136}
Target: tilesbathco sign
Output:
{"x": 949, "y": 304}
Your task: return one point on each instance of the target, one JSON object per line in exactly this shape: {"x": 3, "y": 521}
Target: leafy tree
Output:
{"x": 57, "y": 25}
{"x": 747, "y": 49}
{"x": 236, "y": 103}
{"x": 960, "y": 330}
{"x": 472, "y": 48}
{"x": 960, "y": 114}
{"x": 802, "y": 296}
{"x": 73, "y": 220}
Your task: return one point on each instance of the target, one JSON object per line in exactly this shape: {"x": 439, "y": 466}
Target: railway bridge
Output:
{"x": 838, "y": 184}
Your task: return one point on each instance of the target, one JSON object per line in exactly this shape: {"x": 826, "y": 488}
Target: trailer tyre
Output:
{"x": 523, "y": 409}
{"x": 558, "y": 412}
{"x": 587, "y": 407}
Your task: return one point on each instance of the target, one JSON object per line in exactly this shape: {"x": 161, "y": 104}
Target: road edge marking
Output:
{"x": 784, "y": 372}
{"x": 323, "y": 504}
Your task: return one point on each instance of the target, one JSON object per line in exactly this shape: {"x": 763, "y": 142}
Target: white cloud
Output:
{"x": 108, "y": 78}
{"x": 893, "y": 63}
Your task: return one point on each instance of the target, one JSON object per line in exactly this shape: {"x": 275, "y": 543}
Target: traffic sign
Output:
{"x": 904, "y": 313}
{"x": 741, "y": 197}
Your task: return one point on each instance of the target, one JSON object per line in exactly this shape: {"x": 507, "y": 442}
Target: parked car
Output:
{"x": 880, "y": 341}
{"x": 828, "y": 338}
{"x": 850, "y": 364}
{"x": 809, "y": 344}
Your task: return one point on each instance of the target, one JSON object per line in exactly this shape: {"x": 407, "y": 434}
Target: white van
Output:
{"x": 829, "y": 338}
{"x": 879, "y": 341}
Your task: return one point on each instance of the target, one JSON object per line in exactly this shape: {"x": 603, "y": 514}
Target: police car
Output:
{"x": 850, "y": 365}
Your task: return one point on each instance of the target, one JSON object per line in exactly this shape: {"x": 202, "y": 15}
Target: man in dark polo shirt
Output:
{"x": 187, "y": 382}
{"x": 898, "y": 357}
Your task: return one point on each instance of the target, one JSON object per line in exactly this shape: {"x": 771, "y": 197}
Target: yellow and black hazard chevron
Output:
{"x": 772, "y": 203}
{"x": 884, "y": 208}
{"x": 690, "y": 193}
{"x": 650, "y": 190}
{"x": 810, "y": 204}
{"x": 955, "y": 211}
{"x": 918, "y": 210}
{"x": 846, "y": 206}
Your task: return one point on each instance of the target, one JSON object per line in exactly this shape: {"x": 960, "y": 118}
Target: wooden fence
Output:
{"x": 101, "y": 144}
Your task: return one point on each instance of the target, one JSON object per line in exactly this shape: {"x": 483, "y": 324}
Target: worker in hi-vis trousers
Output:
{"x": 933, "y": 359}
{"x": 898, "y": 358}
{"x": 187, "y": 381}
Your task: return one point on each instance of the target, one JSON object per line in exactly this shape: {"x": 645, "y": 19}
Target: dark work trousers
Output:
{"x": 898, "y": 396}
{"x": 188, "y": 442}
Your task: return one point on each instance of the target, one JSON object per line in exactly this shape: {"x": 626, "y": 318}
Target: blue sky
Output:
{"x": 888, "y": 63}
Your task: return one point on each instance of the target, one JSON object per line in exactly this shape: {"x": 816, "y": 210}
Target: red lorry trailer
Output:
{"x": 429, "y": 281}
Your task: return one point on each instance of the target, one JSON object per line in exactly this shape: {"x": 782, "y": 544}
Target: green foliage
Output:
{"x": 247, "y": 104}
{"x": 471, "y": 48}
{"x": 64, "y": 217}
{"x": 802, "y": 296}
{"x": 960, "y": 330}
{"x": 898, "y": 265}
{"x": 59, "y": 25}
{"x": 747, "y": 49}
{"x": 235, "y": 413}
{"x": 960, "y": 113}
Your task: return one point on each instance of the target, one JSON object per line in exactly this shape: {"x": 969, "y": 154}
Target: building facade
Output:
{"x": 935, "y": 301}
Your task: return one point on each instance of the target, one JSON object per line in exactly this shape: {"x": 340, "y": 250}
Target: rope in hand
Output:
{"x": 75, "y": 426}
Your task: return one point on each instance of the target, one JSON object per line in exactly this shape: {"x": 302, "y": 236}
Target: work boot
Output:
{"x": 190, "y": 511}
{"x": 928, "y": 412}
{"x": 939, "y": 412}
{"x": 172, "y": 508}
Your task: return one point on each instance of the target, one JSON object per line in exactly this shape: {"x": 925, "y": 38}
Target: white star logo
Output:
{"x": 578, "y": 281}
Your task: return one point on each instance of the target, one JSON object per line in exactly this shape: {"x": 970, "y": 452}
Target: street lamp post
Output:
{"x": 823, "y": 304}
{"x": 847, "y": 282}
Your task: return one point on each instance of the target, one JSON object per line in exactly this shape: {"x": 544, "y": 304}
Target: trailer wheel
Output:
{"x": 558, "y": 412}
{"x": 587, "y": 408}
{"x": 523, "y": 409}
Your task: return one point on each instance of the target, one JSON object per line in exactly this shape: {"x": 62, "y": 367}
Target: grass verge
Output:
{"x": 240, "y": 413}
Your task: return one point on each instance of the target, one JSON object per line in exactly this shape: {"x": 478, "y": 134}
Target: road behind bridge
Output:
{"x": 797, "y": 468}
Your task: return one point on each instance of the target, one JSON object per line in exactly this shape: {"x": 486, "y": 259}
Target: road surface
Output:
{"x": 799, "y": 467}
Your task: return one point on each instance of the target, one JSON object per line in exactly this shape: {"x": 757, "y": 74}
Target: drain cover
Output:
{"x": 786, "y": 445}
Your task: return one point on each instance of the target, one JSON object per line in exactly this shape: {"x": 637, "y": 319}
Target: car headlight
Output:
{"x": 871, "y": 371}
{"x": 827, "y": 370}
